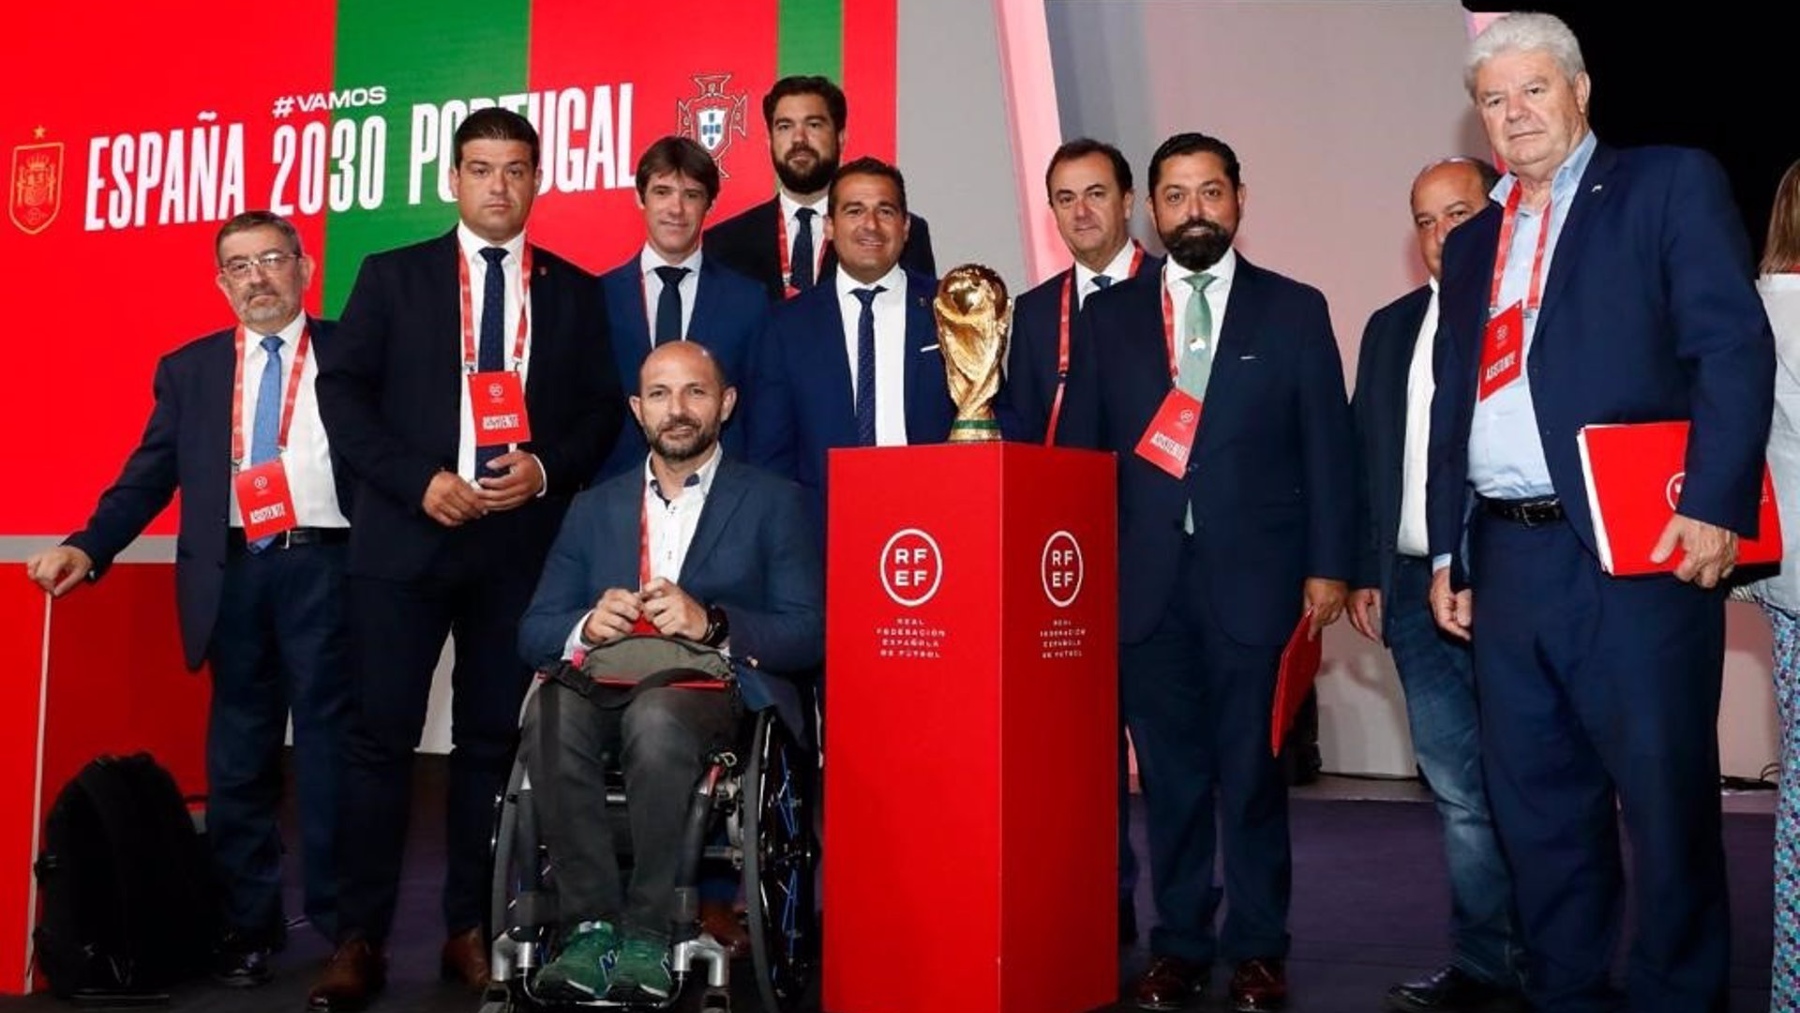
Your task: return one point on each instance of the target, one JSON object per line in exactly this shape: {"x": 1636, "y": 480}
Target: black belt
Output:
{"x": 292, "y": 538}
{"x": 1529, "y": 512}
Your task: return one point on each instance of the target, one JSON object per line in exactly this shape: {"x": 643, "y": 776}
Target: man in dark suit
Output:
{"x": 677, "y": 183}
{"x": 265, "y": 615}
{"x": 1222, "y": 548}
{"x": 1088, "y": 186}
{"x": 474, "y": 393}
{"x": 1628, "y": 277}
{"x": 731, "y": 566}
{"x": 854, "y": 362}
{"x": 779, "y": 243}
{"x": 1392, "y": 406}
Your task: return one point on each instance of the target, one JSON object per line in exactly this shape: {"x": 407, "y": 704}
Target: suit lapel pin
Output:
{"x": 1596, "y": 188}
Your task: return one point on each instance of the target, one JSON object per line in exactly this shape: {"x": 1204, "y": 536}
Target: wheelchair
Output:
{"x": 753, "y": 808}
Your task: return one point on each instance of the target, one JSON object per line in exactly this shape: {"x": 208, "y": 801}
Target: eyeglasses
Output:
{"x": 239, "y": 268}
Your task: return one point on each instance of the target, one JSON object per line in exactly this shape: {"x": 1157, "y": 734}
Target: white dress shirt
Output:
{"x": 890, "y": 350}
{"x": 648, "y": 262}
{"x": 671, "y": 525}
{"x": 1118, "y": 269}
{"x": 1217, "y": 295}
{"x": 1412, "y": 539}
{"x": 790, "y": 213}
{"x": 472, "y": 245}
{"x": 307, "y": 459}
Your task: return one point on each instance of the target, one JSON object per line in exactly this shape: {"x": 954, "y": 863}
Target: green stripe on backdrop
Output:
{"x": 810, "y": 38}
{"x": 425, "y": 53}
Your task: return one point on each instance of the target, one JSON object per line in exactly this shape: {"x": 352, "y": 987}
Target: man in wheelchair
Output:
{"x": 695, "y": 567}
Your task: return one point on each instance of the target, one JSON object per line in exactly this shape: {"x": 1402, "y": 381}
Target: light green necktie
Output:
{"x": 1195, "y": 365}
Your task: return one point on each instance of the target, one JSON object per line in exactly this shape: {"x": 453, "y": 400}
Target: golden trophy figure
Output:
{"x": 974, "y": 318}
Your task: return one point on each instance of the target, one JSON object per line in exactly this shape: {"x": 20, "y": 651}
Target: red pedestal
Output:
{"x": 97, "y": 671}
{"x": 970, "y": 849}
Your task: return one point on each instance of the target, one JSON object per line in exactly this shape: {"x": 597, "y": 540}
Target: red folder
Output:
{"x": 1634, "y": 474}
{"x": 1299, "y": 666}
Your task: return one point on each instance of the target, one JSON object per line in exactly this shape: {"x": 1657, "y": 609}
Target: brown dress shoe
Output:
{"x": 356, "y": 972}
{"x": 721, "y": 922}
{"x": 1259, "y": 984}
{"x": 465, "y": 959}
{"x": 1170, "y": 983}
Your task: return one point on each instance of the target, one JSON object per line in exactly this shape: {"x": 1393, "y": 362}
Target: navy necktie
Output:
{"x": 668, "y": 305}
{"x": 265, "y": 427}
{"x": 491, "y": 353}
{"x": 802, "y": 275}
{"x": 1101, "y": 283}
{"x": 865, "y": 365}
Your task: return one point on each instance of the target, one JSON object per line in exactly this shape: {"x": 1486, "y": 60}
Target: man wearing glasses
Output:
{"x": 236, "y": 427}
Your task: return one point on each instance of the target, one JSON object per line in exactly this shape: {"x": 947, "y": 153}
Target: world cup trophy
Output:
{"x": 974, "y": 319}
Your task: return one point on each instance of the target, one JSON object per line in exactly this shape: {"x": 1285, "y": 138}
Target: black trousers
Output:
{"x": 398, "y": 630}
{"x": 660, "y": 740}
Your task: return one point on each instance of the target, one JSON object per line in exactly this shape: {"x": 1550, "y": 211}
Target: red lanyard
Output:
{"x": 287, "y": 402}
{"x": 468, "y": 312}
{"x": 787, "y": 256}
{"x": 644, "y": 540}
{"x": 1508, "y": 221}
{"x": 1062, "y": 340}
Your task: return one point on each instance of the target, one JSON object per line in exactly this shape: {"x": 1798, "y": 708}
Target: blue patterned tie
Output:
{"x": 491, "y": 353}
{"x": 668, "y": 305}
{"x": 865, "y": 366}
{"x": 265, "y": 427}
{"x": 801, "y": 276}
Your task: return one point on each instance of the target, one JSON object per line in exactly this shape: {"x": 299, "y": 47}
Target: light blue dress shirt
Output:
{"x": 1506, "y": 456}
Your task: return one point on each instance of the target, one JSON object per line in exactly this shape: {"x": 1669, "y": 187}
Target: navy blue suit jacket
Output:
{"x": 747, "y": 243}
{"x": 752, "y": 554}
{"x": 391, "y": 395}
{"x": 804, "y": 405}
{"x": 1272, "y": 467}
{"x": 1379, "y": 406}
{"x": 1025, "y": 398}
{"x": 729, "y": 315}
{"x": 187, "y": 444}
{"x": 1648, "y": 314}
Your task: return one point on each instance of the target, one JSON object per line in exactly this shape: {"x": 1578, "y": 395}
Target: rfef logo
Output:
{"x": 1061, "y": 569}
{"x": 36, "y": 189}
{"x": 911, "y": 567}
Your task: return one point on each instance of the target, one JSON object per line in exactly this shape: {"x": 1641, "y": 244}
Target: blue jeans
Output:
{"x": 1439, "y": 679}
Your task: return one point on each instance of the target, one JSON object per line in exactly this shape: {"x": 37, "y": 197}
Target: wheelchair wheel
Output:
{"x": 780, "y": 856}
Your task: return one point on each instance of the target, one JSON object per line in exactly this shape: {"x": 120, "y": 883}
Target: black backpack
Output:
{"x": 128, "y": 905}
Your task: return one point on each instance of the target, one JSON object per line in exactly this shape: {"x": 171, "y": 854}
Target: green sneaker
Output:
{"x": 643, "y": 970}
{"x": 584, "y": 968}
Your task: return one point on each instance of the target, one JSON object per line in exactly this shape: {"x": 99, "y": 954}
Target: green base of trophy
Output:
{"x": 974, "y": 431}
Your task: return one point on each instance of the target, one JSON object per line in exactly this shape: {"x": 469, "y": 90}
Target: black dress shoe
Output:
{"x": 1170, "y": 983}
{"x": 239, "y": 966}
{"x": 1127, "y": 922}
{"x": 1258, "y": 985}
{"x": 1451, "y": 990}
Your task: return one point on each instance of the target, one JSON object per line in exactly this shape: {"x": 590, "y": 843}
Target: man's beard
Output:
{"x": 676, "y": 449}
{"x": 810, "y": 181}
{"x": 1197, "y": 248}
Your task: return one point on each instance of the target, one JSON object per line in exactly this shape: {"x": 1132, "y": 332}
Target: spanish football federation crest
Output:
{"x": 712, "y": 117}
{"x": 36, "y": 192}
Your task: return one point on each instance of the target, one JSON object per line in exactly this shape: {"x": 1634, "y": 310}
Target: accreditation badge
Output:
{"x": 264, "y": 502}
{"x": 1502, "y": 351}
{"x": 498, "y": 402}
{"x": 1170, "y": 435}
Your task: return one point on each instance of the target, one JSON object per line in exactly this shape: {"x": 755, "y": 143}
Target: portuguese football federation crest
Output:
{"x": 711, "y": 117}
{"x": 36, "y": 191}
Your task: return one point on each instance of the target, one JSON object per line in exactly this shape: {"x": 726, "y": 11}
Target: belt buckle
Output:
{"x": 283, "y": 539}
